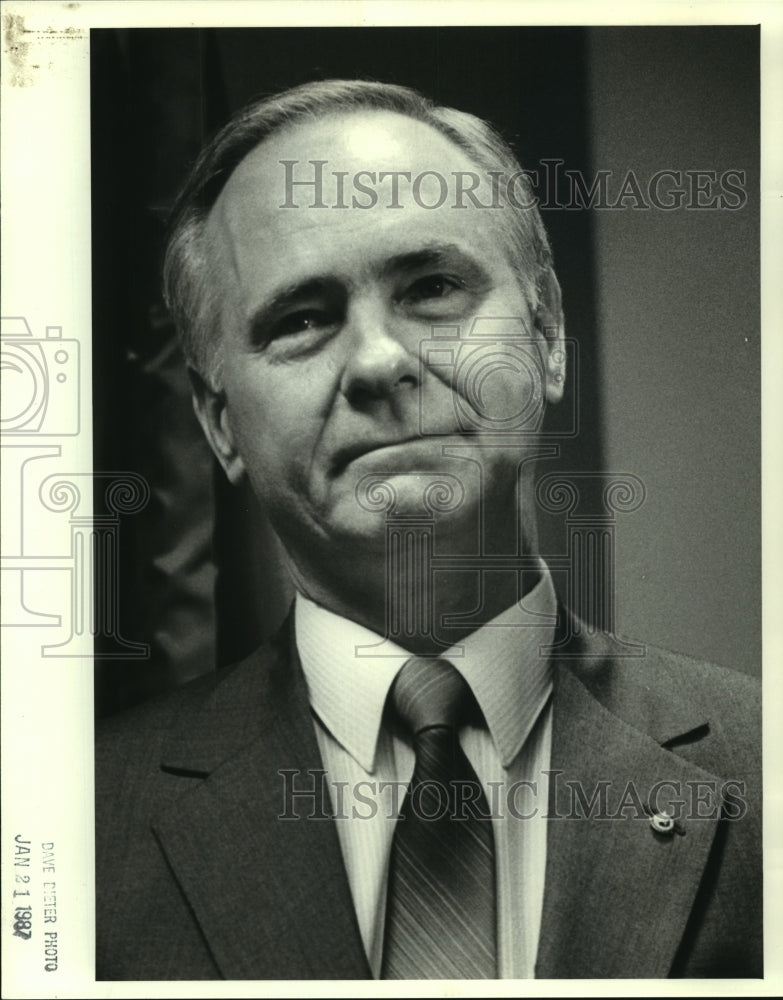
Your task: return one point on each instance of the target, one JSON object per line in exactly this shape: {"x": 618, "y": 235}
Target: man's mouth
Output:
{"x": 350, "y": 453}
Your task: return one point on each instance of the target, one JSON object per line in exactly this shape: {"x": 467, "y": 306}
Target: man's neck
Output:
{"x": 420, "y": 607}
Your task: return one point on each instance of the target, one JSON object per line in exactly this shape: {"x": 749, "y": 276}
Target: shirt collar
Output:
{"x": 349, "y": 670}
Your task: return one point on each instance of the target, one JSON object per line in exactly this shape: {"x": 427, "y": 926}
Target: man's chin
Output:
{"x": 360, "y": 521}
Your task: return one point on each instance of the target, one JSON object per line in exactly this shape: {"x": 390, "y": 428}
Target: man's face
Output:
{"x": 324, "y": 314}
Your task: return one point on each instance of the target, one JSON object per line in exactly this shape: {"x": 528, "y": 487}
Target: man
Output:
{"x": 373, "y": 327}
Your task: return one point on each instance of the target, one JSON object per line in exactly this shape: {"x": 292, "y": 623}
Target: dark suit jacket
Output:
{"x": 198, "y": 878}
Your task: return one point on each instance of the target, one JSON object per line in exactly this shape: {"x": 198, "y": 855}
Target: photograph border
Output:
{"x": 47, "y": 701}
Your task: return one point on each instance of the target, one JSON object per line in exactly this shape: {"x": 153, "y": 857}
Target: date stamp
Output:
{"x": 22, "y": 913}
{"x": 25, "y": 912}
{"x": 23, "y": 922}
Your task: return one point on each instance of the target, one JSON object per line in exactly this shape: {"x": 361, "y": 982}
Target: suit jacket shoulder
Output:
{"x": 675, "y": 698}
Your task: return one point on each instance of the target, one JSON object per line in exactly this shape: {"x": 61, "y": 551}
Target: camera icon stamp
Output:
{"x": 497, "y": 372}
{"x": 40, "y": 381}
{"x": 61, "y": 529}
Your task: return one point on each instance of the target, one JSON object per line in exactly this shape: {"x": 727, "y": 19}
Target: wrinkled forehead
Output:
{"x": 343, "y": 174}
{"x": 335, "y": 153}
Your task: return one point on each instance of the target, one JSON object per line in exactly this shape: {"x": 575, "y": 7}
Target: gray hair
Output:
{"x": 190, "y": 278}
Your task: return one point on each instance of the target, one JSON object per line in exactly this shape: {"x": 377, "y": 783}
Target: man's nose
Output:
{"x": 380, "y": 361}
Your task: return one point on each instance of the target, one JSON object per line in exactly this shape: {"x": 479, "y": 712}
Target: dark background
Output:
{"x": 664, "y": 306}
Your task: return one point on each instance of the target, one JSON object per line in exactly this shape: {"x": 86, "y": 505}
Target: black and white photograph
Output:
{"x": 395, "y": 514}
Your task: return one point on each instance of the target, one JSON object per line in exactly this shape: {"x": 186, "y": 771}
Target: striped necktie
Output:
{"x": 440, "y": 912}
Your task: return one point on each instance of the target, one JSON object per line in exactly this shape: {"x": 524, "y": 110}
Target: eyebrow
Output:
{"x": 429, "y": 255}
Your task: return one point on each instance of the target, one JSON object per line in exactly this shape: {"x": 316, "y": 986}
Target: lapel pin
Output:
{"x": 664, "y": 823}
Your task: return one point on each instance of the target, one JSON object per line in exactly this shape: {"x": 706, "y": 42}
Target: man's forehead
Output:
{"x": 267, "y": 231}
{"x": 346, "y": 144}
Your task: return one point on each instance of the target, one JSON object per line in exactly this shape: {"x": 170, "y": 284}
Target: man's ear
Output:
{"x": 549, "y": 322}
{"x": 210, "y": 407}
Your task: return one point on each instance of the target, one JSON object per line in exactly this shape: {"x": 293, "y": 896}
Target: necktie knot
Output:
{"x": 430, "y": 692}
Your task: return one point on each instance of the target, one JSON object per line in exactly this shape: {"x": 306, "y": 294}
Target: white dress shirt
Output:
{"x": 506, "y": 664}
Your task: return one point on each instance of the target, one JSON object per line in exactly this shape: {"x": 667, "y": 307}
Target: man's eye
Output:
{"x": 303, "y": 321}
{"x": 434, "y": 286}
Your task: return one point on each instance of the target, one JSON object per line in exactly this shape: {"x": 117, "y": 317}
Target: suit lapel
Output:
{"x": 618, "y": 894}
{"x": 270, "y": 894}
